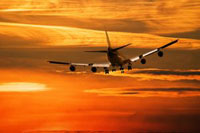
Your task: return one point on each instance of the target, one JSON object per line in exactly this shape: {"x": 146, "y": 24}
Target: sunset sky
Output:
{"x": 37, "y": 97}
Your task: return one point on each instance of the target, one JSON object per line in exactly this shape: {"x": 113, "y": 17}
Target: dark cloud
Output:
{"x": 164, "y": 89}
{"x": 168, "y": 72}
{"x": 194, "y": 82}
{"x": 173, "y": 59}
{"x": 129, "y": 93}
{"x": 176, "y": 121}
{"x": 12, "y": 41}
{"x": 74, "y": 131}
{"x": 148, "y": 92}
{"x": 122, "y": 25}
{"x": 165, "y": 8}
{"x": 192, "y": 34}
{"x": 4, "y": 19}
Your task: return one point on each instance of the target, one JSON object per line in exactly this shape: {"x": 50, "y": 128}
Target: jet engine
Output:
{"x": 94, "y": 69}
{"x": 72, "y": 68}
{"x": 143, "y": 61}
{"x": 160, "y": 54}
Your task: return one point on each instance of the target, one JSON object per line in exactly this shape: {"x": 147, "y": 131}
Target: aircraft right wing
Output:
{"x": 160, "y": 53}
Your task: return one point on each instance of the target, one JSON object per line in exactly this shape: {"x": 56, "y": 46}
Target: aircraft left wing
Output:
{"x": 104, "y": 65}
{"x": 160, "y": 53}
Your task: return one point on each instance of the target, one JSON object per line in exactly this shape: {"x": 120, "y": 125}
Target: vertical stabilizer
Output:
{"x": 108, "y": 40}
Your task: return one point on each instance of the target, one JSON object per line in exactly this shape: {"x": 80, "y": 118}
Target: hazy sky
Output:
{"x": 161, "y": 96}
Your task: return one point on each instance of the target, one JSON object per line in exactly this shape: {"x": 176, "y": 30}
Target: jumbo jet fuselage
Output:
{"x": 115, "y": 58}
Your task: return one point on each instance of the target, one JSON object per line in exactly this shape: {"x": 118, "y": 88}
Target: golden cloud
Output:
{"x": 159, "y": 74}
{"x": 163, "y": 17}
{"x": 65, "y": 36}
{"x": 22, "y": 87}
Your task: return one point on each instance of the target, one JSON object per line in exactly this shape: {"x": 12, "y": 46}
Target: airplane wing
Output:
{"x": 104, "y": 65}
{"x": 160, "y": 53}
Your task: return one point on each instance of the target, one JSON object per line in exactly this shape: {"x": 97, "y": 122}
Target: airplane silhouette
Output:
{"x": 116, "y": 60}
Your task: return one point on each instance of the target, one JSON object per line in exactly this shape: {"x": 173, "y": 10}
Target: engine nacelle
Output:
{"x": 94, "y": 69}
{"x": 143, "y": 61}
{"x": 72, "y": 68}
{"x": 160, "y": 54}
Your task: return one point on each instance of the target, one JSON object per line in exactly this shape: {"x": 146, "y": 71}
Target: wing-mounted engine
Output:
{"x": 72, "y": 68}
{"x": 143, "y": 61}
{"x": 94, "y": 69}
{"x": 160, "y": 53}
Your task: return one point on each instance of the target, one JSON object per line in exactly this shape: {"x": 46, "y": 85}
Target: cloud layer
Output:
{"x": 162, "y": 16}
{"x": 148, "y": 92}
{"x": 53, "y": 21}
{"x": 121, "y": 104}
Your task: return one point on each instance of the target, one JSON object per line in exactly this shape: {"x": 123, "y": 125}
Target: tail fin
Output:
{"x": 108, "y": 40}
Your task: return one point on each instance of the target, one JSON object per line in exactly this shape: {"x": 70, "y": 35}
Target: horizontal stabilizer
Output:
{"x": 121, "y": 47}
{"x": 100, "y": 51}
{"x": 56, "y": 62}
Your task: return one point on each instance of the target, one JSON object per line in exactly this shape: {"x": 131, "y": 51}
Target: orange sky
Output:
{"x": 63, "y": 105}
{"x": 161, "y": 96}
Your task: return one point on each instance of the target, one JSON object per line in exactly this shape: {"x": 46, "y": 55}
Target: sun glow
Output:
{"x": 22, "y": 87}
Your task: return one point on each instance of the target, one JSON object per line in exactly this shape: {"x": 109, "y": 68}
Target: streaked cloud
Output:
{"x": 163, "y": 17}
{"x": 22, "y": 87}
{"x": 44, "y": 35}
{"x": 167, "y": 72}
{"x": 147, "y": 92}
{"x": 73, "y": 22}
{"x": 160, "y": 74}
{"x": 67, "y": 104}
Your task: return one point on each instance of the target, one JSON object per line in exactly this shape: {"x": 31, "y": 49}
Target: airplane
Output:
{"x": 116, "y": 60}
